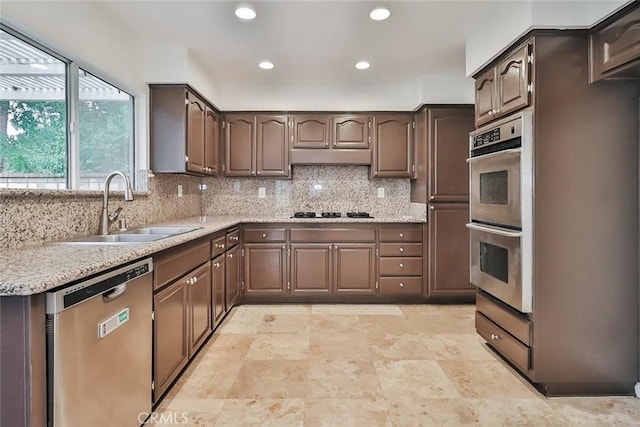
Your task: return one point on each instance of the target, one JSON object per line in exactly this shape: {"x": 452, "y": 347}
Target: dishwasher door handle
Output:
{"x": 114, "y": 292}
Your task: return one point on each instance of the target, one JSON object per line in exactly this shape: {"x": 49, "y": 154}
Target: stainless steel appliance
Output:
{"x": 501, "y": 209}
{"x": 99, "y": 349}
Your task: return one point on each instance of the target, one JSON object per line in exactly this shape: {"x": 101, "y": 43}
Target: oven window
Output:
{"x": 494, "y": 188}
{"x": 494, "y": 261}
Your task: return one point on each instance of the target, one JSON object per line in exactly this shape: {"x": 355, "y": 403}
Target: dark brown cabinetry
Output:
{"x": 311, "y": 268}
{"x": 265, "y": 261}
{"x": 354, "y": 268}
{"x": 311, "y": 131}
{"x": 256, "y": 145}
{"x": 449, "y": 252}
{"x": 232, "y": 270}
{"x": 351, "y": 131}
{"x": 393, "y": 146}
{"x": 614, "y": 46}
{"x": 218, "y": 277}
{"x": 181, "y": 310}
{"x": 506, "y": 87}
{"x": 183, "y": 131}
{"x": 400, "y": 262}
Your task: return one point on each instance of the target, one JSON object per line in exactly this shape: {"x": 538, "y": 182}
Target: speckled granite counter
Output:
{"x": 35, "y": 269}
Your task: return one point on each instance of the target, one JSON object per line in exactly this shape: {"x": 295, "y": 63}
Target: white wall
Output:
{"x": 446, "y": 90}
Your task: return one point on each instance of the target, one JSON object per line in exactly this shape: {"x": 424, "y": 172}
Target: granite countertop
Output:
{"x": 39, "y": 268}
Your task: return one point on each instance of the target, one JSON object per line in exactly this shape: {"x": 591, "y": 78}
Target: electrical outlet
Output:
{"x": 262, "y": 192}
{"x": 381, "y": 192}
{"x": 179, "y": 190}
{"x": 317, "y": 186}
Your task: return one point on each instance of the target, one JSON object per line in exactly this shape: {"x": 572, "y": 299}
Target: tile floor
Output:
{"x": 365, "y": 365}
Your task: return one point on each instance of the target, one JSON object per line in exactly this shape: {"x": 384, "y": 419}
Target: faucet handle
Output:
{"x": 115, "y": 214}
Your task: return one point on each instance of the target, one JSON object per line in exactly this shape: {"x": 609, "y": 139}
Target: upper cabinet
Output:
{"x": 256, "y": 145}
{"x": 351, "y": 131}
{"x": 311, "y": 131}
{"x": 614, "y": 46}
{"x": 184, "y": 131}
{"x": 393, "y": 146}
{"x": 505, "y": 87}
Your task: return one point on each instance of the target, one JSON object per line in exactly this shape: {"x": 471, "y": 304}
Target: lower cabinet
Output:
{"x": 218, "y": 289}
{"x": 232, "y": 277}
{"x": 170, "y": 343}
{"x": 354, "y": 268}
{"x": 199, "y": 306}
{"x": 449, "y": 252}
{"x": 311, "y": 268}
{"x": 265, "y": 268}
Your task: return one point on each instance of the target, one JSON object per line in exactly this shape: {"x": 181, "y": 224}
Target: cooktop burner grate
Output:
{"x": 329, "y": 215}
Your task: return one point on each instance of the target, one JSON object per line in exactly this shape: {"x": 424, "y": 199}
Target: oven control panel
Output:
{"x": 486, "y": 138}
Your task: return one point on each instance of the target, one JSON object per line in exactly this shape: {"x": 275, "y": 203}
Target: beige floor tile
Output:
{"x": 348, "y": 379}
{"x": 421, "y": 310}
{"x": 398, "y": 347}
{"x": 270, "y": 379}
{"x": 434, "y": 322}
{"x": 337, "y": 344}
{"x": 346, "y": 413}
{"x": 263, "y": 309}
{"x": 410, "y": 412}
{"x": 227, "y": 347}
{"x": 206, "y": 379}
{"x": 268, "y": 412}
{"x": 241, "y": 325}
{"x": 280, "y": 346}
{"x": 379, "y": 325}
{"x": 457, "y": 347}
{"x": 487, "y": 379}
{"x": 285, "y": 324}
{"x": 359, "y": 309}
{"x": 598, "y": 411}
{"x": 512, "y": 412}
{"x": 329, "y": 323}
{"x": 421, "y": 379}
{"x": 191, "y": 412}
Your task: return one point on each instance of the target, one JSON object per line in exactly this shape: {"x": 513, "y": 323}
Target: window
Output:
{"x": 42, "y": 96}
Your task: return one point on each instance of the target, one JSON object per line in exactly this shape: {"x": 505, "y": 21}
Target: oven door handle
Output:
{"x": 497, "y": 153}
{"x": 494, "y": 230}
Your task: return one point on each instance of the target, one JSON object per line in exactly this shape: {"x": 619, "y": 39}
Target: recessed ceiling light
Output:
{"x": 39, "y": 66}
{"x": 246, "y": 12}
{"x": 363, "y": 65}
{"x": 379, "y": 13}
{"x": 266, "y": 65}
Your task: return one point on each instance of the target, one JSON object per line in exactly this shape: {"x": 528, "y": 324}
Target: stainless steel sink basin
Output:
{"x": 171, "y": 231}
{"x": 140, "y": 235}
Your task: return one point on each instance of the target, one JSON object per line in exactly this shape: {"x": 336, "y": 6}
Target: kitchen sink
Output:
{"x": 140, "y": 235}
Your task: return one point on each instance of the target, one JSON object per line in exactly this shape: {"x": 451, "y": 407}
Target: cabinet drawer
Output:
{"x": 333, "y": 235}
{"x": 265, "y": 235}
{"x": 400, "y": 249}
{"x": 400, "y": 266}
{"x": 515, "y": 325}
{"x": 507, "y": 345}
{"x": 218, "y": 246}
{"x": 401, "y": 285}
{"x": 233, "y": 237}
{"x": 405, "y": 234}
{"x": 170, "y": 266}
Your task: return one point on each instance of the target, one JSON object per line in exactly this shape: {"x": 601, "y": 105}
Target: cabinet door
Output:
{"x": 449, "y": 251}
{"x": 310, "y": 131}
{"x": 448, "y": 151}
{"x": 195, "y": 133}
{"x": 217, "y": 288}
{"x": 199, "y": 295}
{"x": 354, "y": 268}
{"x": 311, "y": 269}
{"x": 239, "y": 146}
{"x": 616, "y": 45}
{"x": 393, "y": 146}
{"x": 232, "y": 279}
{"x": 170, "y": 343}
{"x": 272, "y": 146}
{"x": 485, "y": 90}
{"x": 512, "y": 80}
{"x": 265, "y": 269}
{"x": 211, "y": 142}
{"x": 351, "y": 131}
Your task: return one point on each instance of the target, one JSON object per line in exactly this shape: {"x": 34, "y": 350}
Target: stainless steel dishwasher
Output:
{"x": 99, "y": 334}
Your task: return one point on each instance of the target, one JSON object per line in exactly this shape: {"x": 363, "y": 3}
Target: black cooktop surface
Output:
{"x": 329, "y": 215}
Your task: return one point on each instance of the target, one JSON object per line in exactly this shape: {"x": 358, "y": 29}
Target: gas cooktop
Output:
{"x": 329, "y": 215}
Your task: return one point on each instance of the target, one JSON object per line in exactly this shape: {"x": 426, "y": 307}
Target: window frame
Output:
{"x": 72, "y": 100}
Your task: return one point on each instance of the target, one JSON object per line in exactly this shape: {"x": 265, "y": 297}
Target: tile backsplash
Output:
{"x": 313, "y": 188}
{"x": 28, "y": 217}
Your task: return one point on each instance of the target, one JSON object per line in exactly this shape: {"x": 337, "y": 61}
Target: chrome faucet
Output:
{"x": 107, "y": 219}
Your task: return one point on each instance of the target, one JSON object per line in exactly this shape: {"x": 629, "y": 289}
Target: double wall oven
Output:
{"x": 501, "y": 210}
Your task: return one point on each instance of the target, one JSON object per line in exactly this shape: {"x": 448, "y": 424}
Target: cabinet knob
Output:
{"x": 401, "y": 250}
{"x": 401, "y": 265}
{"x": 401, "y": 285}
{"x": 195, "y": 279}
{"x": 329, "y": 247}
{"x": 495, "y": 337}
{"x": 216, "y": 265}
{"x": 190, "y": 281}
{"x": 258, "y": 172}
{"x": 234, "y": 238}
{"x": 230, "y": 256}
{"x": 401, "y": 235}
{"x": 253, "y": 172}
{"x": 264, "y": 235}
{"x": 220, "y": 245}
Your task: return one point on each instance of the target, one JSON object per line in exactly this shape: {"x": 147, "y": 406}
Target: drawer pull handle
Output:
{"x": 495, "y": 337}
{"x": 235, "y": 238}
{"x": 401, "y": 265}
{"x": 230, "y": 256}
{"x": 216, "y": 264}
{"x": 220, "y": 245}
{"x": 401, "y": 285}
{"x": 401, "y": 249}
{"x": 401, "y": 235}
{"x": 264, "y": 235}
